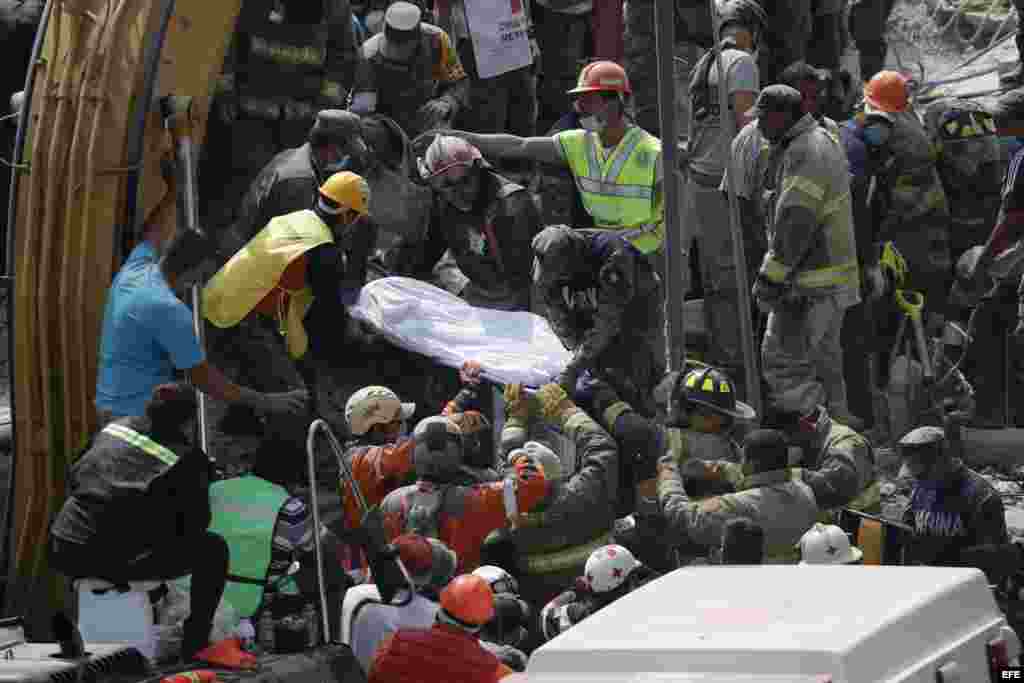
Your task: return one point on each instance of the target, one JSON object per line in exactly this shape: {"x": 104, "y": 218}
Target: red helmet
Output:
{"x": 602, "y": 77}
{"x": 469, "y": 599}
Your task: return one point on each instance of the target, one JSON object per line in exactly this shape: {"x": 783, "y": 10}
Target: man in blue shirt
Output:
{"x": 148, "y": 332}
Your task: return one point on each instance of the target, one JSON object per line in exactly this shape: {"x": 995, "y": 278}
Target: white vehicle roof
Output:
{"x": 776, "y": 622}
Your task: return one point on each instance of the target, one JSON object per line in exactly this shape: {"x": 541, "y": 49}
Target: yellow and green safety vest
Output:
{"x": 256, "y": 270}
{"x": 244, "y": 512}
{"x": 618, "y": 191}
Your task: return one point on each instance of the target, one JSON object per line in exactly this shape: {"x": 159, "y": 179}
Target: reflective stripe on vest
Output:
{"x": 142, "y": 442}
{"x": 830, "y": 276}
{"x": 244, "y": 513}
{"x": 256, "y": 270}
{"x": 619, "y": 193}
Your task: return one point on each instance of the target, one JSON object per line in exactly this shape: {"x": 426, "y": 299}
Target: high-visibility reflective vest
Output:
{"x": 244, "y": 512}
{"x": 619, "y": 192}
{"x": 256, "y": 271}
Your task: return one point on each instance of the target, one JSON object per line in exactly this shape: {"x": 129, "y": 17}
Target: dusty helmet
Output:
{"x": 499, "y": 580}
{"x": 375, "y": 405}
{"x": 439, "y": 453}
{"x": 602, "y": 76}
{"x": 539, "y": 454}
{"x": 887, "y": 92}
{"x": 446, "y": 152}
{"x": 827, "y": 544}
{"x": 712, "y": 388}
{"x": 608, "y": 568}
{"x": 469, "y": 600}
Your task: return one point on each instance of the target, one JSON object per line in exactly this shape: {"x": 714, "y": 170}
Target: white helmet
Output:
{"x": 375, "y": 405}
{"x": 827, "y": 544}
{"x": 608, "y": 567}
{"x": 501, "y": 581}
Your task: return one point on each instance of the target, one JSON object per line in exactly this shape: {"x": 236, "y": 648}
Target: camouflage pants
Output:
{"x": 642, "y": 67}
{"x": 506, "y": 103}
{"x": 564, "y": 45}
{"x": 802, "y": 356}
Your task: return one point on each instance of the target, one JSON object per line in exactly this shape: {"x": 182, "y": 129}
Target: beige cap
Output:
{"x": 375, "y": 405}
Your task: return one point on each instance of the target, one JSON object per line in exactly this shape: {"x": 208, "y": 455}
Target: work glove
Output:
{"x": 555, "y": 404}
{"x": 469, "y": 422}
{"x": 470, "y": 373}
{"x": 285, "y": 403}
{"x": 876, "y": 283}
{"x": 567, "y": 378}
{"x": 517, "y": 403}
{"x": 436, "y": 112}
{"x": 527, "y": 468}
{"x": 768, "y": 294}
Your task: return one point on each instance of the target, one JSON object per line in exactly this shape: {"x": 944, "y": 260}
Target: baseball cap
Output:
{"x": 776, "y": 98}
{"x": 375, "y": 405}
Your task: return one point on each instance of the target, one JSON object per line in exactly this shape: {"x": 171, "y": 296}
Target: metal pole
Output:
{"x": 728, "y": 129}
{"x": 314, "y": 501}
{"x": 665, "y": 41}
{"x": 177, "y": 112}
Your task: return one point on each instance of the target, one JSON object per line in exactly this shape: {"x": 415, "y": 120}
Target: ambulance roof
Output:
{"x": 858, "y": 623}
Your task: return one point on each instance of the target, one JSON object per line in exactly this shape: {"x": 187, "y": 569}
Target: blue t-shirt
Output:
{"x": 147, "y": 334}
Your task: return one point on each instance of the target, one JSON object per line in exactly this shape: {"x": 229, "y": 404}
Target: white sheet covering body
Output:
{"x": 417, "y": 316}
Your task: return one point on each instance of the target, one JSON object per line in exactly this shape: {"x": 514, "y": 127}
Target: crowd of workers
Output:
{"x": 846, "y": 207}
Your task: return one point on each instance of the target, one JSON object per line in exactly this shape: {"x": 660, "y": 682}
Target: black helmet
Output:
{"x": 748, "y": 13}
{"x": 712, "y": 388}
{"x": 439, "y": 454}
{"x": 335, "y": 126}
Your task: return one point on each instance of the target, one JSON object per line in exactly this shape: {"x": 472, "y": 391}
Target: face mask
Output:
{"x": 591, "y": 123}
{"x": 876, "y": 134}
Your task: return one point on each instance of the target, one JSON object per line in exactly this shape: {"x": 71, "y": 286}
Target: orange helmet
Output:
{"x": 887, "y": 92}
{"x": 469, "y": 599}
{"x": 602, "y": 77}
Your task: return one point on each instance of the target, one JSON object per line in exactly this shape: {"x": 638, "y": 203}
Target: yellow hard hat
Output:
{"x": 347, "y": 189}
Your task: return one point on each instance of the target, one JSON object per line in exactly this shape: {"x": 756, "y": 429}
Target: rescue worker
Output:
{"x": 552, "y": 541}
{"x": 868, "y": 22}
{"x": 300, "y": 271}
{"x": 623, "y": 193}
{"x": 882, "y": 267}
{"x": 335, "y": 143}
{"x": 917, "y": 220}
{"x": 564, "y": 34}
{"x": 506, "y": 101}
{"x": 380, "y": 454}
{"x": 836, "y": 462}
{"x": 268, "y": 527}
{"x": 809, "y": 276}
{"x": 451, "y": 645}
{"x": 146, "y": 468}
{"x": 828, "y": 544}
{"x": 1015, "y": 78}
{"x": 611, "y": 315}
{"x": 610, "y": 573}
{"x": 148, "y": 333}
{"x": 430, "y": 565}
{"x": 410, "y": 73}
{"x": 694, "y": 34}
{"x": 987, "y": 279}
{"x": 461, "y": 516}
{"x": 784, "y": 508}
{"x": 971, "y": 165}
{"x": 812, "y": 83}
{"x": 486, "y": 221}
{"x": 505, "y": 632}
{"x": 954, "y": 511}
{"x": 286, "y": 61}
{"x": 742, "y": 25}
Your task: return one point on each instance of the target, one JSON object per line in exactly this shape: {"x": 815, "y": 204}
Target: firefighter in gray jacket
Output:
{"x": 784, "y": 508}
